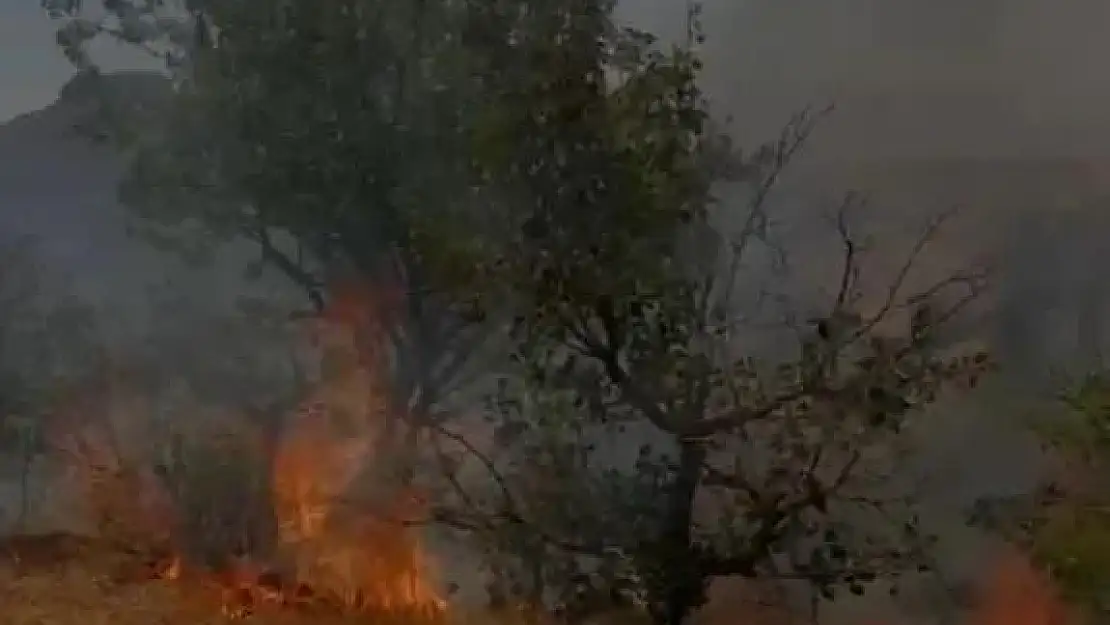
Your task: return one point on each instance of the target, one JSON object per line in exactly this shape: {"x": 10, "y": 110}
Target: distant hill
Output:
{"x": 58, "y": 183}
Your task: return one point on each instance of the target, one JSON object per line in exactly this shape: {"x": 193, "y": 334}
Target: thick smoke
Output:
{"x": 997, "y": 105}
{"x": 993, "y": 106}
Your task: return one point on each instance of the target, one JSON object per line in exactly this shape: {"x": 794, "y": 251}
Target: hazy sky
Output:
{"x": 911, "y": 77}
{"x": 31, "y": 67}
{"x": 30, "y": 70}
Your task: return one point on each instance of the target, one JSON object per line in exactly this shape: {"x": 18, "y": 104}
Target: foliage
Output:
{"x": 536, "y": 161}
{"x": 1064, "y": 523}
{"x": 165, "y": 28}
{"x": 333, "y": 176}
{"x": 48, "y": 337}
{"x": 605, "y": 163}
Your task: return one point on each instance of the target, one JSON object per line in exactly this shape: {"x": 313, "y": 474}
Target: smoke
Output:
{"x": 911, "y": 78}
{"x": 992, "y": 105}
{"x": 998, "y": 105}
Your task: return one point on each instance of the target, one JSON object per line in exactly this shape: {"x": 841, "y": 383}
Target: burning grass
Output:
{"x": 260, "y": 528}
{"x": 217, "y": 515}
{"x": 62, "y": 580}
{"x": 231, "y": 524}
{"x": 1017, "y": 593}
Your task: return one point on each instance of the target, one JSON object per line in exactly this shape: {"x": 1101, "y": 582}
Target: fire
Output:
{"x": 345, "y": 524}
{"x": 358, "y": 550}
{"x": 1017, "y": 593}
{"x": 340, "y": 541}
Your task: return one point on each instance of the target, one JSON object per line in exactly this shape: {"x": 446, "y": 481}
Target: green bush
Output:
{"x": 1073, "y": 538}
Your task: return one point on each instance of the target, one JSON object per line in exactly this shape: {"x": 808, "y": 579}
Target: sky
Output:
{"x": 32, "y": 69}
{"x": 993, "y": 78}
{"x": 990, "y": 78}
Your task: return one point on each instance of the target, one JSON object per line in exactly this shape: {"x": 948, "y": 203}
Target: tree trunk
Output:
{"x": 682, "y": 587}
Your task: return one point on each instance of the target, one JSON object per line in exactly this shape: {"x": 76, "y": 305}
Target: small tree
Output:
{"x": 328, "y": 135}
{"x": 625, "y": 292}
{"x": 48, "y": 344}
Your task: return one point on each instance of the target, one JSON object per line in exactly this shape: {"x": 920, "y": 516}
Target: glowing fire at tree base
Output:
{"x": 330, "y": 555}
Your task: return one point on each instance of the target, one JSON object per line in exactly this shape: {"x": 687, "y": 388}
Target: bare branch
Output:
{"x": 715, "y": 478}
{"x": 791, "y": 140}
{"x": 770, "y": 524}
{"x": 509, "y": 511}
{"x": 290, "y": 268}
{"x": 849, "y": 275}
{"x": 737, "y": 417}
{"x": 896, "y": 285}
{"x": 634, "y": 394}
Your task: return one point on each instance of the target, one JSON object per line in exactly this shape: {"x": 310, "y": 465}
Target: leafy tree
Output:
{"x": 326, "y": 134}
{"x": 537, "y": 160}
{"x": 625, "y": 290}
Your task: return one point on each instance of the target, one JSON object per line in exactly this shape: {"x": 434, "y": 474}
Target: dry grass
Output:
{"x": 66, "y": 580}
{"x": 60, "y": 579}
{"x": 79, "y": 594}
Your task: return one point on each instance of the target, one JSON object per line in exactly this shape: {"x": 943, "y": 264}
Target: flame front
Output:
{"x": 338, "y": 515}
{"x": 358, "y": 551}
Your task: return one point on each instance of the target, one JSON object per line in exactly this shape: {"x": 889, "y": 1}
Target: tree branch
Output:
{"x": 770, "y": 523}
{"x": 290, "y": 268}
{"x": 509, "y": 511}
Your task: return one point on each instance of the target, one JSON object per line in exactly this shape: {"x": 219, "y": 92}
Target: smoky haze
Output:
{"x": 911, "y": 78}
{"x": 997, "y": 105}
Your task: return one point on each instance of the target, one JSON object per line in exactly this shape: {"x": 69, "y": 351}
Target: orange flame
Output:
{"x": 1016, "y": 593}
{"x": 354, "y": 546}
{"x": 352, "y": 552}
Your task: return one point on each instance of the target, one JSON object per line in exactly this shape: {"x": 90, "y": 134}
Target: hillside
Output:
{"x": 60, "y": 186}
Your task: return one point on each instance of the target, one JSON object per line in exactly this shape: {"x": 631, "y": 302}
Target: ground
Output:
{"x": 61, "y": 579}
